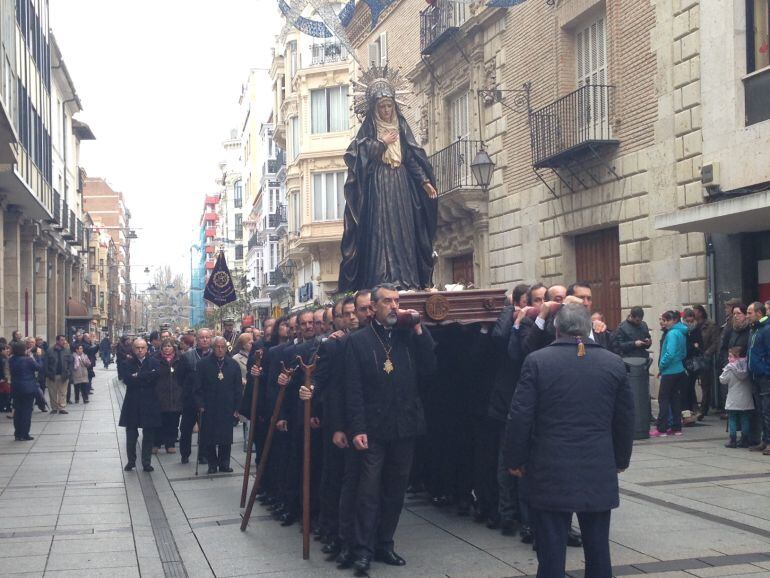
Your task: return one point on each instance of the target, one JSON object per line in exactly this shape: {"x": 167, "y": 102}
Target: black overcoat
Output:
{"x": 571, "y": 425}
{"x": 140, "y": 405}
{"x": 169, "y": 386}
{"x": 219, "y": 399}
{"x": 381, "y": 405}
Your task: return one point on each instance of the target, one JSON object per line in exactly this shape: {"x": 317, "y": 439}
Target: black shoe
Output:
{"x": 227, "y": 470}
{"x": 64, "y": 411}
{"x": 362, "y": 563}
{"x": 288, "y": 519}
{"x": 148, "y": 468}
{"x": 527, "y": 535}
{"x": 345, "y": 559}
{"x": 744, "y": 443}
{"x": 389, "y": 557}
{"x": 185, "y": 459}
{"x": 732, "y": 443}
{"x": 203, "y": 461}
{"x": 212, "y": 470}
{"x": 574, "y": 539}
{"x": 129, "y": 466}
{"x": 278, "y": 513}
{"x": 493, "y": 523}
{"x": 508, "y": 527}
{"x": 333, "y": 549}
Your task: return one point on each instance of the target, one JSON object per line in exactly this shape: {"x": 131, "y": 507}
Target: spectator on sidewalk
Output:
{"x": 5, "y": 379}
{"x": 140, "y": 406}
{"x": 710, "y": 343}
{"x": 23, "y": 368}
{"x": 673, "y": 377}
{"x": 693, "y": 362}
{"x": 576, "y": 377}
{"x": 759, "y": 366}
{"x": 58, "y": 370}
{"x": 105, "y": 351}
{"x": 740, "y": 402}
{"x": 80, "y": 365}
{"x": 632, "y": 338}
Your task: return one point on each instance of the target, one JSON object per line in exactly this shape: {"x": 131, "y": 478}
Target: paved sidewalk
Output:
{"x": 690, "y": 507}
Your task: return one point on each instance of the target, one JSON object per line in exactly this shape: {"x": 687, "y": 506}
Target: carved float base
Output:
{"x": 464, "y": 307}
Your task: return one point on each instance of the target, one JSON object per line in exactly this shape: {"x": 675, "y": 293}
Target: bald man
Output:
{"x": 140, "y": 405}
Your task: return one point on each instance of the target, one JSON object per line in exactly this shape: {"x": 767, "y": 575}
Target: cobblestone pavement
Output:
{"x": 690, "y": 507}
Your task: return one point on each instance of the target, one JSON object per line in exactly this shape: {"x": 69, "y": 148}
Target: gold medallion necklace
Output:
{"x": 220, "y": 375}
{"x": 388, "y": 366}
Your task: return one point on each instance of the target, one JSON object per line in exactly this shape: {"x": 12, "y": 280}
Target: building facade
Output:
{"x": 311, "y": 78}
{"x": 230, "y": 205}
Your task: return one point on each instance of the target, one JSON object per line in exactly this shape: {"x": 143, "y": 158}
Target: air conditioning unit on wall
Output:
{"x": 710, "y": 177}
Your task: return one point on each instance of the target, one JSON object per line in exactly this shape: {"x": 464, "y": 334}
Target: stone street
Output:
{"x": 690, "y": 507}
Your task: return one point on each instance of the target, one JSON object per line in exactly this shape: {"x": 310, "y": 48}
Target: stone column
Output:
{"x": 27, "y": 279}
{"x": 52, "y": 274}
{"x": 481, "y": 250}
{"x": 12, "y": 270}
{"x": 40, "y": 267}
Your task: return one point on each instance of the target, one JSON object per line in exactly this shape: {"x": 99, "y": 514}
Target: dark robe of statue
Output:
{"x": 390, "y": 221}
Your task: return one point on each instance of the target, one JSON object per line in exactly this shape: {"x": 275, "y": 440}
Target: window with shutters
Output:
{"x": 458, "y": 118}
{"x": 238, "y": 226}
{"x": 293, "y": 138}
{"x": 378, "y": 50}
{"x": 591, "y": 66}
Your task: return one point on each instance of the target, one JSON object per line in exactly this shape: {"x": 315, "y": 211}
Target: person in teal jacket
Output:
{"x": 673, "y": 376}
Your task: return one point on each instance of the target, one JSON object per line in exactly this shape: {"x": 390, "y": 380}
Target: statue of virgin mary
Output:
{"x": 390, "y": 195}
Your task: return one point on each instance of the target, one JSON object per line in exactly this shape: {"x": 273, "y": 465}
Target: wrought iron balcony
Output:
{"x": 66, "y": 228}
{"x": 275, "y": 220}
{"x": 56, "y": 208}
{"x": 578, "y": 123}
{"x": 274, "y": 278}
{"x": 327, "y": 53}
{"x": 256, "y": 240}
{"x": 452, "y": 166}
{"x": 439, "y": 22}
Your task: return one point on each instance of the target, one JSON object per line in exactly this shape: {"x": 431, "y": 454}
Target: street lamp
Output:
{"x": 287, "y": 268}
{"x": 482, "y": 168}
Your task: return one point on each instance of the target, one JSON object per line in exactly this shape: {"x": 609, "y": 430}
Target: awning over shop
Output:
{"x": 735, "y": 215}
{"x": 77, "y": 309}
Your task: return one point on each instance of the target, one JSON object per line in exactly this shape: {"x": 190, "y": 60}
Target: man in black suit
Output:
{"x": 186, "y": 377}
{"x": 576, "y": 378}
{"x": 385, "y": 414}
{"x": 140, "y": 405}
{"x": 217, "y": 394}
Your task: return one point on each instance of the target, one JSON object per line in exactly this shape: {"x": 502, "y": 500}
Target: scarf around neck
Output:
{"x": 392, "y": 154}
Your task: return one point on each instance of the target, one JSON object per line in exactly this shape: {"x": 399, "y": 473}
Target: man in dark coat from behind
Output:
{"x": 570, "y": 432}
{"x": 140, "y": 405}
{"x": 385, "y": 416}
{"x": 218, "y": 397}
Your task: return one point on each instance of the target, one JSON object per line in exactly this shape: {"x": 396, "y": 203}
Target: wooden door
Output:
{"x": 597, "y": 257}
{"x": 462, "y": 269}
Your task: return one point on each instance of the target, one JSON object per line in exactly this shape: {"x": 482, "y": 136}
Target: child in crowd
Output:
{"x": 740, "y": 402}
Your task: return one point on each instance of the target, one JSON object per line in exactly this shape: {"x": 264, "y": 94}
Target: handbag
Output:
{"x": 695, "y": 365}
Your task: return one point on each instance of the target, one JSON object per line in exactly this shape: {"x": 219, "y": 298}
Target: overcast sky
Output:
{"x": 159, "y": 81}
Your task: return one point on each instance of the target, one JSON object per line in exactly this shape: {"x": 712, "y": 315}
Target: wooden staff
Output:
{"x": 308, "y": 370}
{"x": 266, "y": 449}
{"x": 252, "y": 428}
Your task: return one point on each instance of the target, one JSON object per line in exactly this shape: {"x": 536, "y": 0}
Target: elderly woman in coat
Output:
{"x": 140, "y": 406}
{"x": 243, "y": 348}
{"x": 170, "y": 392}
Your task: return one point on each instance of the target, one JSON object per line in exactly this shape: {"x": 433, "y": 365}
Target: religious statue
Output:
{"x": 390, "y": 194}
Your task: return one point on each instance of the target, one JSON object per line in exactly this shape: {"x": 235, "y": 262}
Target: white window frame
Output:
{"x": 378, "y": 50}
{"x": 337, "y": 212}
{"x": 343, "y": 111}
{"x": 294, "y": 137}
{"x": 591, "y": 66}
{"x": 459, "y": 117}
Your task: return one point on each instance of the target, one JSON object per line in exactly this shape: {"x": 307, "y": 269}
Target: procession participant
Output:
{"x": 291, "y": 418}
{"x": 338, "y": 408}
{"x": 228, "y": 331}
{"x": 385, "y": 416}
{"x": 319, "y": 324}
{"x": 328, "y": 378}
{"x": 170, "y": 392}
{"x": 293, "y": 328}
{"x": 154, "y": 343}
{"x": 217, "y": 394}
{"x": 272, "y": 370}
{"x": 573, "y": 376}
{"x": 140, "y": 405}
{"x": 189, "y": 410}
{"x": 556, "y": 293}
{"x": 105, "y": 351}
{"x": 241, "y": 354}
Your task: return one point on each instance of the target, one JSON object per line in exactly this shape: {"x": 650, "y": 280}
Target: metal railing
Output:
{"x": 327, "y": 53}
{"x": 579, "y": 118}
{"x": 452, "y": 166}
{"x": 56, "y": 208}
{"x": 275, "y": 220}
{"x": 256, "y": 240}
{"x": 439, "y": 21}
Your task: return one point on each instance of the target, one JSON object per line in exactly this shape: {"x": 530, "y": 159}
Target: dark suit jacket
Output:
{"x": 140, "y": 405}
{"x": 381, "y": 405}
{"x": 219, "y": 398}
{"x": 571, "y": 425}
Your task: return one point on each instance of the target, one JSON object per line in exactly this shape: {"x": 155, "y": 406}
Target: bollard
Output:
{"x": 638, "y": 369}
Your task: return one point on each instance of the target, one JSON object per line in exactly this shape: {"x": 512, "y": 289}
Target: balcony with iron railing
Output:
{"x": 327, "y": 53}
{"x": 439, "y": 22}
{"x": 56, "y": 208}
{"x": 452, "y": 166}
{"x": 276, "y": 219}
{"x": 274, "y": 278}
{"x": 256, "y": 240}
{"x": 66, "y": 228}
{"x": 578, "y": 123}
